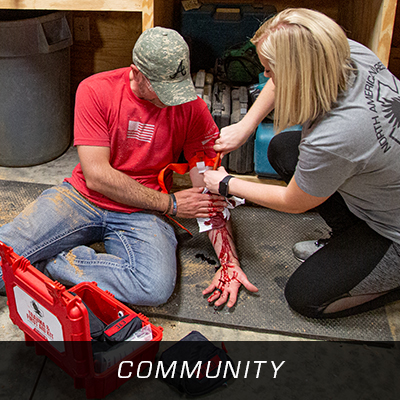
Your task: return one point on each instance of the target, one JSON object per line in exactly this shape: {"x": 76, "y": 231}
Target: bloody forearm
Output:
{"x": 224, "y": 246}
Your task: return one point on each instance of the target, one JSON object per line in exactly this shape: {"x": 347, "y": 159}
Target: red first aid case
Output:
{"x": 56, "y": 322}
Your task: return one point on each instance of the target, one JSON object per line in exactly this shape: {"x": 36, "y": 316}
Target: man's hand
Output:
{"x": 193, "y": 203}
{"x": 226, "y": 284}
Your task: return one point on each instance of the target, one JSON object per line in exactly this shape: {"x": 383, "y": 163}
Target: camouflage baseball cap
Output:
{"x": 162, "y": 55}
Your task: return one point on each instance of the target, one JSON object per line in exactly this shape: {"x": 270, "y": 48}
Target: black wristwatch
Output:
{"x": 223, "y": 188}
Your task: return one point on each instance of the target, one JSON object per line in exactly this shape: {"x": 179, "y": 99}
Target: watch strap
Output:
{"x": 224, "y": 185}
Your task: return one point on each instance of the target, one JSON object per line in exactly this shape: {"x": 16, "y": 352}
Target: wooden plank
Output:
{"x": 385, "y": 34}
{"x": 78, "y": 5}
{"x": 147, "y": 14}
{"x": 146, "y": 7}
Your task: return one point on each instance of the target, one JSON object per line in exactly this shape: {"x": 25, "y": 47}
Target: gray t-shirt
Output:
{"x": 355, "y": 148}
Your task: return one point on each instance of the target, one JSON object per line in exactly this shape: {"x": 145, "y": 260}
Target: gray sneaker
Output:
{"x": 303, "y": 250}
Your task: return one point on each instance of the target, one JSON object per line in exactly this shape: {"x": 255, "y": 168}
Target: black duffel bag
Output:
{"x": 200, "y": 365}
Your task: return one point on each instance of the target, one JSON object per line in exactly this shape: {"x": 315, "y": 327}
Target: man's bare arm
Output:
{"x": 103, "y": 178}
{"x": 225, "y": 285}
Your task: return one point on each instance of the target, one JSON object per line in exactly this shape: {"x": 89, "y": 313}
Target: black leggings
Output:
{"x": 353, "y": 251}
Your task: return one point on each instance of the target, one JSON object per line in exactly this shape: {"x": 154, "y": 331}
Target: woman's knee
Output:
{"x": 300, "y": 300}
{"x": 283, "y": 153}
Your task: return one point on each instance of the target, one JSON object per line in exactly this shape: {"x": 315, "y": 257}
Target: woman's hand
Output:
{"x": 213, "y": 178}
{"x": 235, "y": 135}
{"x": 231, "y": 138}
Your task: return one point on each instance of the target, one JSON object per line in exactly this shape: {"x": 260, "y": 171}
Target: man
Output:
{"x": 130, "y": 124}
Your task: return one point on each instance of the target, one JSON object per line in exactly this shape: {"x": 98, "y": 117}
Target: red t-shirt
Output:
{"x": 143, "y": 138}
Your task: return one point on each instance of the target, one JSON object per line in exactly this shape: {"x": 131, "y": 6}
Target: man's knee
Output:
{"x": 154, "y": 293}
{"x": 9, "y": 237}
{"x": 154, "y": 298}
{"x": 163, "y": 290}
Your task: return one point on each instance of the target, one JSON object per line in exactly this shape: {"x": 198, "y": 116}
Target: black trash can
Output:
{"x": 35, "y": 110}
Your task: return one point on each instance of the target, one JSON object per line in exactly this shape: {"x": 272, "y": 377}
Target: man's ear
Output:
{"x": 135, "y": 70}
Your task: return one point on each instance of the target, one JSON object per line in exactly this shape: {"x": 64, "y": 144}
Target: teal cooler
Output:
{"x": 264, "y": 134}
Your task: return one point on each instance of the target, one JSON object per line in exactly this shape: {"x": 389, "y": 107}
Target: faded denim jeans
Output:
{"x": 55, "y": 231}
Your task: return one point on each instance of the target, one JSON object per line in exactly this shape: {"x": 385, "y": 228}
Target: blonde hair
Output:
{"x": 310, "y": 56}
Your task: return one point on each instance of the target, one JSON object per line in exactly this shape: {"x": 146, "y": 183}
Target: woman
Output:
{"x": 345, "y": 162}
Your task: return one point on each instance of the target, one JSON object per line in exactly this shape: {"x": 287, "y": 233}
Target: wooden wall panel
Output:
{"x": 370, "y": 23}
{"x": 394, "y": 61}
{"x": 113, "y": 34}
{"x": 112, "y": 37}
{"x": 165, "y": 13}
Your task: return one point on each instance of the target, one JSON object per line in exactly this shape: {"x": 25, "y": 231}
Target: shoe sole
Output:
{"x": 298, "y": 259}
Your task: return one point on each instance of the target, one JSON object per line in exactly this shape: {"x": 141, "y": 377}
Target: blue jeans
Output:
{"x": 53, "y": 233}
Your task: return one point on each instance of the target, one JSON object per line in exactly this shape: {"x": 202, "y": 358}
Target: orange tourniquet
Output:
{"x": 199, "y": 160}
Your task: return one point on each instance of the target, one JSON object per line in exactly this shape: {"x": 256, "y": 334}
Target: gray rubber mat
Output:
{"x": 264, "y": 240}
{"x": 15, "y": 196}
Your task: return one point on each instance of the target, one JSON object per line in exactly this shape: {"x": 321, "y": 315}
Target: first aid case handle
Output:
{"x": 49, "y": 290}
